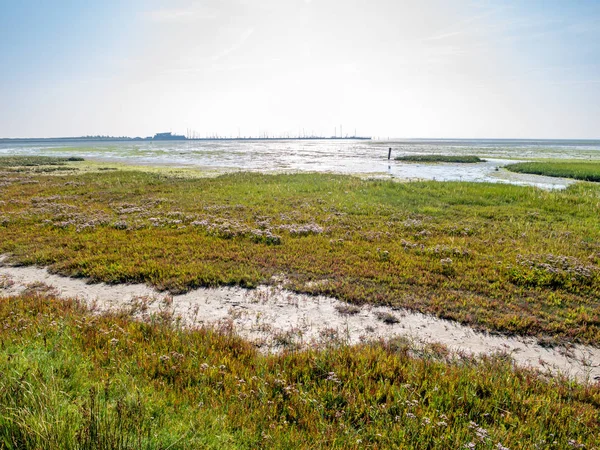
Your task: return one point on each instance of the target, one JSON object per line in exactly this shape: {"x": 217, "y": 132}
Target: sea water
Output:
{"x": 361, "y": 157}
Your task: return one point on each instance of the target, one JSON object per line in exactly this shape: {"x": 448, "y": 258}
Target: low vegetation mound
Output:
{"x": 440, "y": 158}
{"x": 33, "y": 161}
{"x": 586, "y": 171}
{"x": 71, "y": 379}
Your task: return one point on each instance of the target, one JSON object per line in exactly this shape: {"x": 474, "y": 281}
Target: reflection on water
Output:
{"x": 351, "y": 157}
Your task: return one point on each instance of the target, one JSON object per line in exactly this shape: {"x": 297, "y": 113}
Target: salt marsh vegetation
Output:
{"x": 579, "y": 170}
{"x": 502, "y": 258}
{"x": 73, "y": 379}
{"x": 464, "y": 159}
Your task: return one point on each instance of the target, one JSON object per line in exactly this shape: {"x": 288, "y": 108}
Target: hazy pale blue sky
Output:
{"x": 389, "y": 68}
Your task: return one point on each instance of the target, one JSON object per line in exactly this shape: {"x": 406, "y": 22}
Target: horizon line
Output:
{"x": 349, "y": 137}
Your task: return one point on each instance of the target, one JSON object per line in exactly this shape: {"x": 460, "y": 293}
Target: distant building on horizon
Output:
{"x": 168, "y": 137}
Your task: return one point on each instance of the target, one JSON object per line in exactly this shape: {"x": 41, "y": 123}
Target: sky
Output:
{"x": 381, "y": 68}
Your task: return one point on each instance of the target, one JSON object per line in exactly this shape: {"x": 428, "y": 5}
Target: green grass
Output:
{"x": 513, "y": 259}
{"x": 71, "y": 379}
{"x": 32, "y": 161}
{"x": 56, "y": 165}
{"x": 439, "y": 158}
{"x": 586, "y": 171}
{"x": 38, "y": 164}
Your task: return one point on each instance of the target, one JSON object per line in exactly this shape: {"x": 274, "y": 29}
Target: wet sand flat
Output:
{"x": 273, "y": 319}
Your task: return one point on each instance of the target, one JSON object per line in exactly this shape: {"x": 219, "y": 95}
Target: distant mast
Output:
{"x": 192, "y": 135}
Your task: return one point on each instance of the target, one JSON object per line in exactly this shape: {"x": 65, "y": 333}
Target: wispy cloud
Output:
{"x": 462, "y": 26}
{"x": 438, "y": 37}
{"x": 265, "y": 64}
{"x": 574, "y": 82}
{"x": 587, "y": 27}
{"x": 180, "y": 15}
{"x": 218, "y": 67}
{"x": 237, "y": 45}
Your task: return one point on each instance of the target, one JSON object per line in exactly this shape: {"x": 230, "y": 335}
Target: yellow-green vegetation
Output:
{"x": 37, "y": 164}
{"x": 71, "y": 379}
{"x": 500, "y": 257}
{"x": 57, "y": 165}
{"x": 579, "y": 170}
{"x": 35, "y": 161}
{"x": 175, "y": 171}
{"x": 466, "y": 159}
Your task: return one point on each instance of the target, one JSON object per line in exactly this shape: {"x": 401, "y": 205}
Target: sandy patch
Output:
{"x": 274, "y": 318}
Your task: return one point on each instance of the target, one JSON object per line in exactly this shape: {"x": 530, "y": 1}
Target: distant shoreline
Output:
{"x": 530, "y": 141}
{"x": 128, "y": 139}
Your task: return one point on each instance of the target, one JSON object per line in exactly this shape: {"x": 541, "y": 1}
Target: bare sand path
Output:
{"x": 275, "y": 318}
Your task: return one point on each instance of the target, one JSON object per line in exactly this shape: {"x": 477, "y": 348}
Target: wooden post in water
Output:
{"x": 389, "y": 153}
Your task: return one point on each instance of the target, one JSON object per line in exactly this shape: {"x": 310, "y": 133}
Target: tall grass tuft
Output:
{"x": 73, "y": 380}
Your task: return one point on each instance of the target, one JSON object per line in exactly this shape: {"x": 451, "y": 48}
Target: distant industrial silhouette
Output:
{"x": 168, "y": 137}
{"x": 191, "y": 136}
